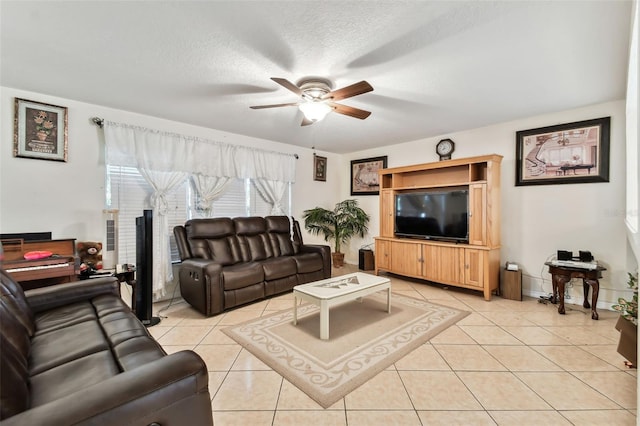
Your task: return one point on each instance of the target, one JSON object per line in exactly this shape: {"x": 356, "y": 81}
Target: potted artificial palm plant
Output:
{"x": 345, "y": 221}
{"x": 627, "y": 323}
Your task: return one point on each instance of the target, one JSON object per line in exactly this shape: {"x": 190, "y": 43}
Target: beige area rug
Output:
{"x": 363, "y": 340}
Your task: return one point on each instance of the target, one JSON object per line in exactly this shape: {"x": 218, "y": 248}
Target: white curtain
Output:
{"x": 208, "y": 188}
{"x": 258, "y": 164}
{"x": 167, "y": 159}
{"x": 169, "y": 152}
{"x": 155, "y": 155}
{"x": 272, "y": 192}
{"x": 163, "y": 183}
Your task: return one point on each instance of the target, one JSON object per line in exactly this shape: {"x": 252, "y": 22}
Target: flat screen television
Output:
{"x": 435, "y": 214}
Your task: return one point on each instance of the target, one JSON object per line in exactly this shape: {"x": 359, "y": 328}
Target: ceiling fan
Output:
{"x": 317, "y": 99}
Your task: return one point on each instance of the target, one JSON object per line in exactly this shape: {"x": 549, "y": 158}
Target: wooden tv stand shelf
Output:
{"x": 474, "y": 265}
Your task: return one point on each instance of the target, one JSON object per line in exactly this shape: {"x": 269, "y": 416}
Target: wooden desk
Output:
{"x": 560, "y": 275}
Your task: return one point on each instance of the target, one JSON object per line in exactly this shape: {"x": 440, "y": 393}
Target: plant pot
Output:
{"x": 628, "y": 343}
{"x": 338, "y": 259}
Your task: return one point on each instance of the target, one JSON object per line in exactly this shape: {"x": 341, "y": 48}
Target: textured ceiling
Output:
{"x": 436, "y": 67}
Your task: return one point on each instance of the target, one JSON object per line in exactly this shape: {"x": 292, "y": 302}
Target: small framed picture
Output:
{"x": 319, "y": 168}
{"x": 364, "y": 175}
{"x": 40, "y": 131}
{"x": 565, "y": 153}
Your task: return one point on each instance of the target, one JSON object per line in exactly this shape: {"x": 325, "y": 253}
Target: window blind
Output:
{"x": 127, "y": 191}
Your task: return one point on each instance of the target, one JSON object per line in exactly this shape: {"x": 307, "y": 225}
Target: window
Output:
{"x": 129, "y": 192}
{"x": 241, "y": 198}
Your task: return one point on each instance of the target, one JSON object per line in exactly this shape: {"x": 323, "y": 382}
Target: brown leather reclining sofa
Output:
{"x": 230, "y": 262}
{"x": 75, "y": 354}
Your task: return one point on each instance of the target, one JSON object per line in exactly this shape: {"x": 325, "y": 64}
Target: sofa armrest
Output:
{"x": 325, "y": 252}
{"x": 172, "y": 390}
{"x": 45, "y": 298}
{"x": 201, "y": 285}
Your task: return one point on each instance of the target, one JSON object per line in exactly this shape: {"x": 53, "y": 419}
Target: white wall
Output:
{"x": 536, "y": 220}
{"x": 67, "y": 198}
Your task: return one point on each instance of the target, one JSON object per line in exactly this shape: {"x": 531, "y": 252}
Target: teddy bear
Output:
{"x": 90, "y": 254}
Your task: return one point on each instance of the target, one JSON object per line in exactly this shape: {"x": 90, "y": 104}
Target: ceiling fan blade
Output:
{"x": 349, "y": 91}
{"x": 273, "y": 106}
{"x": 350, "y": 111}
{"x": 306, "y": 121}
{"x": 287, "y": 85}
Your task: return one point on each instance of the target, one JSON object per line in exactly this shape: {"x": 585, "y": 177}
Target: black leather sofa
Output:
{"x": 75, "y": 354}
{"x": 231, "y": 262}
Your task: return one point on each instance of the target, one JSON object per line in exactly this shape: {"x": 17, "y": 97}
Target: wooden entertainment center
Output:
{"x": 474, "y": 265}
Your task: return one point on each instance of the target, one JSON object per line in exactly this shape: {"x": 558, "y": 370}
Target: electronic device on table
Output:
{"x": 584, "y": 260}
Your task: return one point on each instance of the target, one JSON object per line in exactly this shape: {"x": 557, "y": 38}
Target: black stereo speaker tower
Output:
{"x": 143, "y": 292}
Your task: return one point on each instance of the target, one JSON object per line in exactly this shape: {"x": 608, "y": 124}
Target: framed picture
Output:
{"x": 319, "y": 168}
{"x": 364, "y": 175}
{"x": 40, "y": 131}
{"x": 566, "y": 153}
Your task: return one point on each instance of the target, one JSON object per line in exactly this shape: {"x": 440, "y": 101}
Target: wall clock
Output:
{"x": 444, "y": 149}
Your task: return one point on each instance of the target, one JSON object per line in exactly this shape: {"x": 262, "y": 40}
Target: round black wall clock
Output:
{"x": 444, "y": 149}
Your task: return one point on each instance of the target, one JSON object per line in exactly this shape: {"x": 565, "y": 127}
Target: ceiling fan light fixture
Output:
{"x": 315, "y": 111}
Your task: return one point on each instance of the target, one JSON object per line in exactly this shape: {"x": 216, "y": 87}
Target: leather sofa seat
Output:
{"x": 306, "y": 263}
{"x": 242, "y": 275}
{"x": 230, "y": 262}
{"x": 75, "y": 354}
{"x": 280, "y": 267}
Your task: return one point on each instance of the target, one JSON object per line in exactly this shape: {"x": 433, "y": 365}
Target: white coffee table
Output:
{"x": 338, "y": 290}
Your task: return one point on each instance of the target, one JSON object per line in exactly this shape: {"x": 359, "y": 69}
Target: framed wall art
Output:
{"x": 565, "y": 153}
{"x": 40, "y": 131}
{"x": 319, "y": 168}
{"x": 364, "y": 175}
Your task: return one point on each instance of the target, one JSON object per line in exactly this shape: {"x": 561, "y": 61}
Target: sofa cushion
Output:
{"x": 213, "y": 239}
{"x": 250, "y": 225}
{"x": 308, "y": 262}
{"x": 137, "y": 351}
{"x": 14, "y": 333}
{"x": 221, "y": 251}
{"x": 278, "y": 267}
{"x": 106, "y": 305}
{"x": 253, "y": 238}
{"x": 242, "y": 275}
{"x": 280, "y": 235}
{"x": 57, "y": 347}
{"x": 14, "y": 347}
{"x": 71, "y": 377}
{"x": 258, "y": 247}
{"x": 14, "y": 297}
{"x": 64, "y": 316}
{"x": 120, "y": 327}
{"x": 14, "y": 391}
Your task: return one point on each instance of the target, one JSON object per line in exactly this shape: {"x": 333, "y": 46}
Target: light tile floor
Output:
{"x": 507, "y": 363}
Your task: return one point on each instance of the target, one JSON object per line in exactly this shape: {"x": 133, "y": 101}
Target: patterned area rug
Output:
{"x": 363, "y": 340}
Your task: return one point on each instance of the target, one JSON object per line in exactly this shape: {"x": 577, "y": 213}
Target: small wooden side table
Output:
{"x": 511, "y": 285}
{"x": 560, "y": 275}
